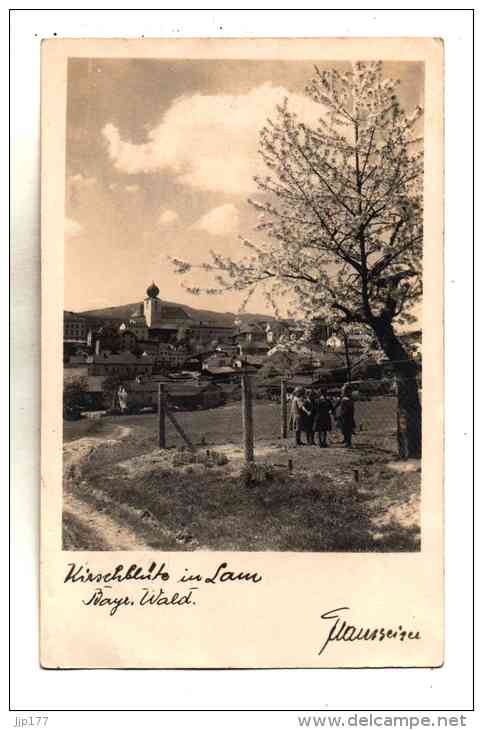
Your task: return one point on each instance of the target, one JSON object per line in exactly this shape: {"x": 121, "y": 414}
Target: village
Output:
{"x": 199, "y": 360}
{"x": 176, "y": 419}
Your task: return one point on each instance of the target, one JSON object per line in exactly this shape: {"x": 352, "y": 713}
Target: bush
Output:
{"x": 257, "y": 473}
{"x": 72, "y": 413}
{"x": 209, "y": 458}
{"x": 74, "y": 398}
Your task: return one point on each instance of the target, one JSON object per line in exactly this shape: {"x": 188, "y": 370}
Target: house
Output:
{"x": 252, "y": 334}
{"x": 123, "y": 364}
{"x": 206, "y": 332}
{"x": 170, "y": 356}
{"x": 253, "y": 351}
{"x": 104, "y": 338}
{"x": 294, "y": 354}
{"x": 186, "y": 395}
{"x": 76, "y": 372}
{"x": 217, "y": 360}
{"x": 75, "y": 327}
{"x": 227, "y": 348}
{"x": 250, "y": 361}
{"x": 190, "y": 397}
{"x": 127, "y": 338}
{"x": 224, "y": 374}
{"x": 356, "y": 340}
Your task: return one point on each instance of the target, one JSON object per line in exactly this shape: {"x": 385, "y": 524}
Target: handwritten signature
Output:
{"x": 340, "y": 630}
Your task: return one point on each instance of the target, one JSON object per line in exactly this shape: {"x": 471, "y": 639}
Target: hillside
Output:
{"x": 123, "y": 312}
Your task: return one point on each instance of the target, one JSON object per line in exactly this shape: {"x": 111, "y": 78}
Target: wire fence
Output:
{"x": 249, "y": 412}
{"x": 267, "y": 413}
{"x": 377, "y": 424}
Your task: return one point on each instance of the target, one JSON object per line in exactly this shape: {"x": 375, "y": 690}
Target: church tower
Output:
{"x": 152, "y": 307}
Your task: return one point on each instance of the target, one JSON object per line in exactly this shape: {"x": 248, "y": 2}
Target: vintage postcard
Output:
{"x": 242, "y": 353}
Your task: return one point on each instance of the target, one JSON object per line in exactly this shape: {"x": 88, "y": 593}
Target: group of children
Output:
{"x": 312, "y": 413}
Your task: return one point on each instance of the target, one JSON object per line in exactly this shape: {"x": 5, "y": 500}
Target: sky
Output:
{"x": 160, "y": 158}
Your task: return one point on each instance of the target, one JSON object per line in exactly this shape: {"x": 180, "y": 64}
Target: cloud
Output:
{"x": 72, "y": 228}
{"x": 220, "y": 221}
{"x": 167, "y": 217}
{"x": 208, "y": 142}
{"x": 81, "y": 181}
{"x": 126, "y": 188}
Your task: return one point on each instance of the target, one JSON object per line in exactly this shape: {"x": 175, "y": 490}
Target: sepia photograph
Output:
{"x": 242, "y": 353}
{"x": 242, "y": 324}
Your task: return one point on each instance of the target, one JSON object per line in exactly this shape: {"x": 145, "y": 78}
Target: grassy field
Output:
{"x": 121, "y": 492}
{"x": 377, "y": 418}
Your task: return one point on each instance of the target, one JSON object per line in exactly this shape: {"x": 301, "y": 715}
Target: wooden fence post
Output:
{"x": 181, "y": 432}
{"x": 247, "y": 418}
{"x": 283, "y": 409}
{"x": 162, "y": 416}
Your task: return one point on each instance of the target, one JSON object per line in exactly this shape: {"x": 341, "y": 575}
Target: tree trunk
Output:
{"x": 408, "y": 403}
{"x": 408, "y": 418}
{"x": 347, "y": 358}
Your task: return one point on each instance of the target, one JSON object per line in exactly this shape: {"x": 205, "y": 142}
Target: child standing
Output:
{"x": 322, "y": 419}
{"x": 346, "y": 415}
{"x": 298, "y": 415}
{"x": 310, "y": 404}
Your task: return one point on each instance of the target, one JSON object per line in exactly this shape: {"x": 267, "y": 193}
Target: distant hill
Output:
{"x": 124, "y": 311}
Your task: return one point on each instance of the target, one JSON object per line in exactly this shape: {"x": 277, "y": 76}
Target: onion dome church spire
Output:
{"x": 152, "y": 291}
{"x": 153, "y": 307}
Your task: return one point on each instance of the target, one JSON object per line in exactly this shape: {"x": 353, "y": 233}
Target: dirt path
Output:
{"x": 102, "y": 529}
{"x": 77, "y": 450}
{"x": 121, "y": 493}
{"x": 80, "y": 518}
